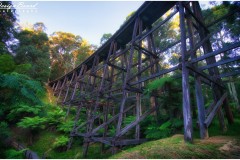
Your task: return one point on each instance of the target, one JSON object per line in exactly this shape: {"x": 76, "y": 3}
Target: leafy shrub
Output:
{"x": 5, "y": 131}
{"x": 55, "y": 116}
{"x": 24, "y": 110}
{"x": 13, "y": 154}
{"x": 32, "y": 122}
{"x": 154, "y": 131}
{"x": 20, "y": 88}
{"x": 61, "y": 143}
{"x": 6, "y": 63}
{"x": 66, "y": 127}
{"x": 158, "y": 83}
{"x": 128, "y": 120}
{"x": 23, "y": 68}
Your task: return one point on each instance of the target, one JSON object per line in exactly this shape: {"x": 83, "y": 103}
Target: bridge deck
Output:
{"x": 149, "y": 13}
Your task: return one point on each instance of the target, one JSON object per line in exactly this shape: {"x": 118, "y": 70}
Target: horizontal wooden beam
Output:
{"x": 237, "y": 58}
{"x": 147, "y": 52}
{"x": 133, "y": 89}
{"x": 143, "y": 70}
{"x": 117, "y": 67}
{"x": 125, "y": 142}
{"x": 141, "y": 37}
{"x": 160, "y": 73}
{"x": 214, "y": 53}
{"x": 200, "y": 72}
{"x": 229, "y": 74}
{"x": 110, "y": 120}
{"x": 102, "y": 140}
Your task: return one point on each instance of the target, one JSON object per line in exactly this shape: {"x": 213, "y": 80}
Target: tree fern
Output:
{"x": 66, "y": 127}
{"x": 55, "y": 116}
{"x": 17, "y": 87}
{"x": 158, "y": 83}
{"x": 23, "y": 110}
{"x": 61, "y": 141}
{"x": 32, "y": 122}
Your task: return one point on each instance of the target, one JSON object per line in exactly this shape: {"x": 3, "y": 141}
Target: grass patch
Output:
{"x": 173, "y": 147}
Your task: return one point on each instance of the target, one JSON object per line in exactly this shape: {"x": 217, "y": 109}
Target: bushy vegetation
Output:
{"x": 61, "y": 143}
{"x": 13, "y": 154}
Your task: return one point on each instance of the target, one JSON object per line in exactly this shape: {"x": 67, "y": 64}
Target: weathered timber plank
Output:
{"x": 160, "y": 73}
{"x": 185, "y": 80}
{"x": 237, "y": 58}
{"x": 110, "y": 120}
{"x": 134, "y": 123}
{"x": 117, "y": 67}
{"x": 210, "y": 108}
{"x": 125, "y": 142}
{"x": 230, "y": 74}
{"x": 196, "y": 70}
{"x": 211, "y": 54}
{"x": 214, "y": 110}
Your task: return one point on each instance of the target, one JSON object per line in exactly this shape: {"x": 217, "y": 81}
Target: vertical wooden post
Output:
{"x": 85, "y": 147}
{"x": 62, "y": 87}
{"x": 138, "y": 95}
{"x": 74, "y": 126}
{"x": 198, "y": 86}
{"x": 129, "y": 65}
{"x": 217, "y": 92}
{"x": 91, "y": 109}
{"x": 54, "y": 85}
{"x": 185, "y": 80}
{"x": 151, "y": 47}
{"x": 69, "y": 85}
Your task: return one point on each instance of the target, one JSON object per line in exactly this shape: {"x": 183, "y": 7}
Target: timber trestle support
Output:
{"x": 109, "y": 85}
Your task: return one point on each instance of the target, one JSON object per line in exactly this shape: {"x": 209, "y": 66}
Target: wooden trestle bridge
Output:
{"x": 109, "y": 84}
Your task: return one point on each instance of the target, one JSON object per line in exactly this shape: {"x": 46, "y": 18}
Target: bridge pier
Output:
{"x": 108, "y": 87}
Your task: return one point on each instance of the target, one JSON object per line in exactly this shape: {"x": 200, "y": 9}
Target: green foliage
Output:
{"x": 128, "y": 120}
{"x": 7, "y": 20}
{"x": 23, "y": 68}
{"x": 165, "y": 125}
{"x": 64, "y": 47}
{"x": 155, "y": 131}
{"x": 56, "y": 116}
{"x": 66, "y": 127}
{"x": 33, "y": 49}
{"x": 105, "y": 37}
{"x": 20, "y": 88}
{"x": 24, "y": 110}
{"x": 61, "y": 141}
{"x": 5, "y": 131}
{"x": 13, "y": 154}
{"x": 158, "y": 84}
{"x": 6, "y": 63}
{"x": 32, "y": 122}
